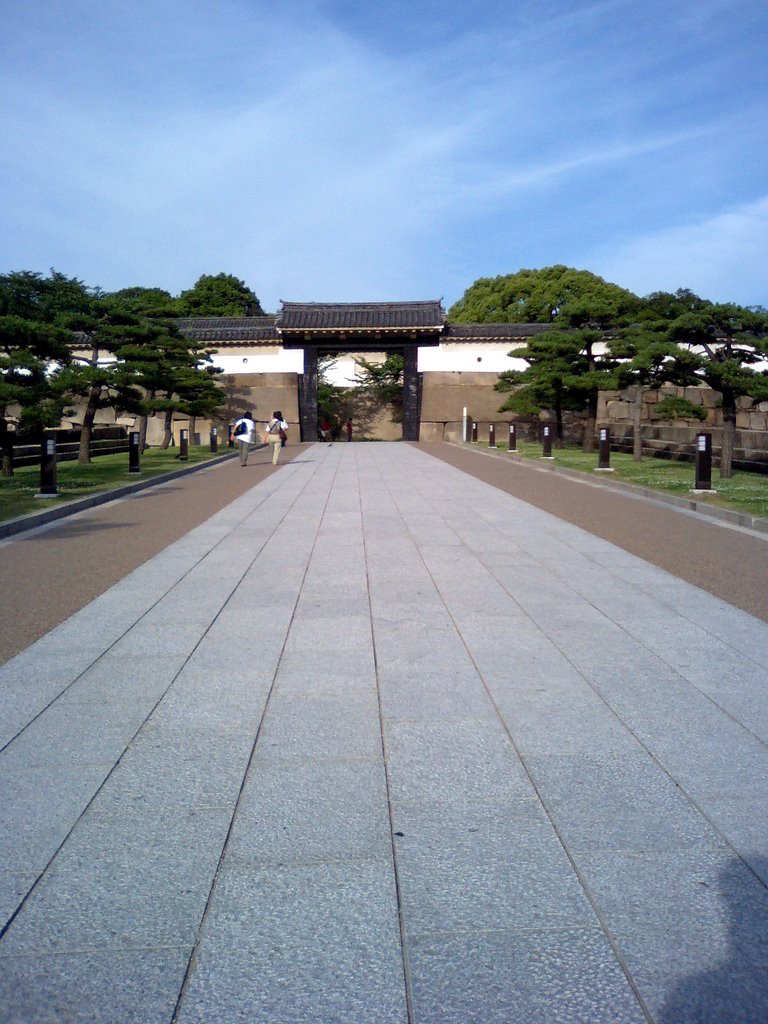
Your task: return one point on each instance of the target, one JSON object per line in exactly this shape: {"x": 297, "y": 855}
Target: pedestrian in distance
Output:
{"x": 349, "y": 430}
{"x": 276, "y": 434}
{"x": 242, "y": 432}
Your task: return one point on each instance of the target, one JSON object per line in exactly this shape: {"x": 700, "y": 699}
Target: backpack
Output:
{"x": 241, "y": 428}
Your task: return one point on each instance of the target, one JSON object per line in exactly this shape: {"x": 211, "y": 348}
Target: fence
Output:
{"x": 68, "y": 446}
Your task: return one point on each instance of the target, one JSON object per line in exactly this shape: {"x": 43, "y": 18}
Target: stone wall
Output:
{"x": 675, "y": 438}
{"x": 445, "y": 394}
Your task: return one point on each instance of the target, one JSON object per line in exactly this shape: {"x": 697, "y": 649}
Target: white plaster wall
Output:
{"x": 267, "y": 360}
{"x": 486, "y": 357}
{"x": 344, "y": 372}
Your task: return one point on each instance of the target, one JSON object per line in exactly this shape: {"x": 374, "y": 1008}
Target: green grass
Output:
{"x": 17, "y": 493}
{"x": 744, "y": 492}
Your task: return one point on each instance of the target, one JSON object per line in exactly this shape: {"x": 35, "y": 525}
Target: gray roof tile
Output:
{"x": 302, "y": 316}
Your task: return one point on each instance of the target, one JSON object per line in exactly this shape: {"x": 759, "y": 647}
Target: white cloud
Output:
{"x": 721, "y": 258}
{"x": 306, "y": 151}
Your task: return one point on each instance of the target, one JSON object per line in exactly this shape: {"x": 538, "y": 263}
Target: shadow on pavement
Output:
{"x": 735, "y": 992}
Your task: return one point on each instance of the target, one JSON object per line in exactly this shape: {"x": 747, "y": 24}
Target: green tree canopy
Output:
{"x": 384, "y": 382}
{"x": 566, "y": 371}
{"x": 554, "y": 362}
{"x": 175, "y": 374}
{"x": 724, "y": 346}
{"x": 145, "y": 301}
{"x": 95, "y": 373}
{"x": 219, "y": 295}
{"x": 555, "y": 295}
{"x": 669, "y": 305}
{"x": 34, "y": 340}
{"x": 49, "y": 300}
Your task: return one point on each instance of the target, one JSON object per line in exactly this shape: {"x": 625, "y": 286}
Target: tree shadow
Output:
{"x": 736, "y": 991}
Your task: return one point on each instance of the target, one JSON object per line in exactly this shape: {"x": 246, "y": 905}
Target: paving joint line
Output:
{"x": 408, "y": 985}
{"x": 153, "y": 709}
{"x": 589, "y": 895}
{"x": 692, "y": 801}
{"x": 191, "y": 962}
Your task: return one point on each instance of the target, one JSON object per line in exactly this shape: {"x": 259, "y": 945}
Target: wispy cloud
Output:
{"x": 721, "y": 257}
{"x": 325, "y": 149}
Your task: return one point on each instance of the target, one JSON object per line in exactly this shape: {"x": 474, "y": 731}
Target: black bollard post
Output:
{"x": 183, "y": 445}
{"x": 512, "y": 446}
{"x": 491, "y": 435}
{"x": 704, "y": 463}
{"x": 547, "y": 440}
{"x": 604, "y": 453}
{"x": 214, "y": 440}
{"x": 134, "y": 452}
{"x": 474, "y": 430}
{"x": 48, "y": 487}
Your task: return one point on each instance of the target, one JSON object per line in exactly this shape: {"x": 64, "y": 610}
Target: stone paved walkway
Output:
{"x": 381, "y": 743}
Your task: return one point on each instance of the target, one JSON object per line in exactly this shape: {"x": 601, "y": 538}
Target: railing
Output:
{"x": 68, "y": 451}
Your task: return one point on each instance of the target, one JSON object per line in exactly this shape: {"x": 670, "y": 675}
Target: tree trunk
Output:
{"x": 591, "y": 425}
{"x": 192, "y": 428}
{"x": 168, "y": 435}
{"x": 729, "y": 435}
{"x": 84, "y": 454}
{"x": 637, "y": 425}
{"x": 558, "y": 423}
{"x": 6, "y": 446}
{"x": 143, "y": 423}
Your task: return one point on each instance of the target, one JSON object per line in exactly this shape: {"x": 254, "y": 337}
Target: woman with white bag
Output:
{"x": 277, "y": 433}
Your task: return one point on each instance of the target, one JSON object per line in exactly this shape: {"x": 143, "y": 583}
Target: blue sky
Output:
{"x": 349, "y": 150}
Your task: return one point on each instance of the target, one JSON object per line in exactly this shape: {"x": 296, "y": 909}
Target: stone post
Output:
{"x": 48, "y": 487}
{"x": 547, "y": 442}
{"x": 604, "y": 456}
{"x": 703, "y": 464}
{"x": 134, "y": 452}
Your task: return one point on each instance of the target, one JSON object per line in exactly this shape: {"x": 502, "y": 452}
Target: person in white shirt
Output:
{"x": 275, "y": 434}
{"x": 242, "y": 432}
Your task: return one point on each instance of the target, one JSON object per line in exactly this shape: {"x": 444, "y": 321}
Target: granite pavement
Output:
{"x": 381, "y": 742}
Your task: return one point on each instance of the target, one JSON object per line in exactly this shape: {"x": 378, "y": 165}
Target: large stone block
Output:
{"x": 617, "y": 411}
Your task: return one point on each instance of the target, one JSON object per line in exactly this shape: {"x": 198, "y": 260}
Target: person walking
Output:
{"x": 349, "y": 430}
{"x": 242, "y": 432}
{"x": 276, "y": 435}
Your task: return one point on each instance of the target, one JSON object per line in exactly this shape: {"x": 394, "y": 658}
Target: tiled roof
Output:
{"x": 492, "y": 332}
{"x": 329, "y": 316}
{"x": 353, "y": 316}
{"x": 232, "y": 329}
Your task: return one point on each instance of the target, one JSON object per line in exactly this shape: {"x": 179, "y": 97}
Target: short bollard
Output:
{"x": 547, "y": 442}
{"x": 183, "y": 445}
{"x": 491, "y": 435}
{"x": 48, "y": 468}
{"x": 512, "y": 446}
{"x": 134, "y": 452}
{"x": 214, "y": 440}
{"x": 474, "y": 431}
{"x": 604, "y": 452}
{"x": 704, "y": 464}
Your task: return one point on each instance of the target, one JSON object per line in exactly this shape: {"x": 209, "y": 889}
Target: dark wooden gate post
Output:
{"x": 308, "y": 396}
{"x": 410, "y": 393}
